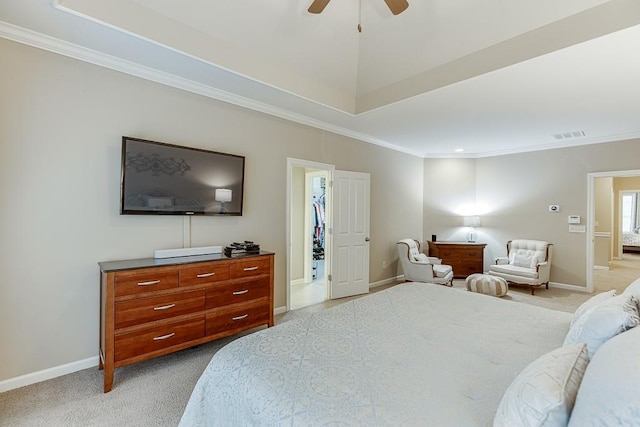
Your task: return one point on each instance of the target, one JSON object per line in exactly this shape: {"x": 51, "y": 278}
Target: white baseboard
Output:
{"x": 600, "y": 267}
{"x": 297, "y": 282}
{"x": 389, "y": 281}
{"x": 280, "y": 310}
{"x": 568, "y": 287}
{"x": 47, "y": 374}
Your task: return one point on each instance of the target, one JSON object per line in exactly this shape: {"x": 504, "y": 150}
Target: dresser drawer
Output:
{"x": 204, "y": 273}
{"x": 250, "y": 267}
{"x": 130, "y": 283}
{"x": 148, "y": 340}
{"x": 466, "y": 270}
{"x": 238, "y": 317}
{"x": 143, "y": 310}
{"x": 226, "y": 294}
{"x": 471, "y": 254}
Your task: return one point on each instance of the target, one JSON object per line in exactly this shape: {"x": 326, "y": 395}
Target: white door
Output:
{"x": 350, "y": 234}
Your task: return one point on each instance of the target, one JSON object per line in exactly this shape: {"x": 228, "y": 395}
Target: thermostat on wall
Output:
{"x": 574, "y": 219}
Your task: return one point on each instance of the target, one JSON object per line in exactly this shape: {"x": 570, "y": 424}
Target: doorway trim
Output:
{"x": 300, "y": 163}
{"x": 591, "y": 213}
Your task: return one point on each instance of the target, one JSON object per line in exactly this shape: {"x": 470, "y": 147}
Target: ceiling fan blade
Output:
{"x": 397, "y": 6}
{"x": 318, "y": 6}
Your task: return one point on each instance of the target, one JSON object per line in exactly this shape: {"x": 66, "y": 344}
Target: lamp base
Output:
{"x": 471, "y": 236}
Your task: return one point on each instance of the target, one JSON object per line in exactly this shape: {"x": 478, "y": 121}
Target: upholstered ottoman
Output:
{"x": 487, "y": 284}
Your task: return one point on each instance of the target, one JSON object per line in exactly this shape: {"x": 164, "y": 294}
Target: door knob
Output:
{"x": 366, "y": 239}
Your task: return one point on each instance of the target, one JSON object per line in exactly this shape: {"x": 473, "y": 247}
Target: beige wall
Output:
{"x": 603, "y": 207}
{"x": 61, "y": 123}
{"x": 516, "y": 191}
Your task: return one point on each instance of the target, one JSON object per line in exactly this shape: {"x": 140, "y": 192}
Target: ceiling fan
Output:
{"x": 396, "y": 6}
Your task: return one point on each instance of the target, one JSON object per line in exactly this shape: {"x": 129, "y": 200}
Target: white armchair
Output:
{"x": 528, "y": 262}
{"x": 418, "y": 267}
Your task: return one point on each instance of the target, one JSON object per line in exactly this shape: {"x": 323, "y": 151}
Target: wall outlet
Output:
{"x": 384, "y": 264}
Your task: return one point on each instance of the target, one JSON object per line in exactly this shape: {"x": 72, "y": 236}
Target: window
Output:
{"x": 629, "y": 212}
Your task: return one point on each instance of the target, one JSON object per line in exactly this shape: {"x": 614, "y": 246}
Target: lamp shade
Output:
{"x": 223, "y": 195}
{"x": 472, "y": 221}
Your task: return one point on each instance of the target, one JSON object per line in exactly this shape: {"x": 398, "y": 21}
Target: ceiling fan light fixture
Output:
{"x": 395, "y": 6}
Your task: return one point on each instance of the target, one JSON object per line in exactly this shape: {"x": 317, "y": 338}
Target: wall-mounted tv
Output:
{"x": 166, "y": 179}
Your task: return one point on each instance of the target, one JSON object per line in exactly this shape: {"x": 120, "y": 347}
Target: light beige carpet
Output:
{"x": 620, "y": 274}
{"x": 155, "y": 392}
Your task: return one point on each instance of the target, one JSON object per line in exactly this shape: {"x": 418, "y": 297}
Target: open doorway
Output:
{"x": 613, "y": 242}
{"x": 308, "y": 220}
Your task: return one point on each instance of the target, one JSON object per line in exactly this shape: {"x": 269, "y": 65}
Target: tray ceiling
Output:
{"x": 488, "y": 77}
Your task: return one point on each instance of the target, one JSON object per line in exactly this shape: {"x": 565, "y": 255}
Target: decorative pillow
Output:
{"x": 604, "y": 321}
{"x": 608, "y": 395}
{"x": 591, "y": 302}
{"x": 543, "y": 394}
{"x": 633, "y": 289}
{"x": 524, "y": 261}
{"x": 420, "y": 258}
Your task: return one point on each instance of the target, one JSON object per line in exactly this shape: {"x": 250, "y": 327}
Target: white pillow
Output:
{"x": 591, "y": 302}
{"x": 524, "y": 261}
{"x": 544, "y": 392}
{"x": 608, "y": 395}
{"x": 633, "y": 289}
{"x": 420, "y": 258}
{"x": 604, "y": 321}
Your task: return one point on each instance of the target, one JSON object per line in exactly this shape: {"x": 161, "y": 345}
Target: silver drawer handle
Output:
{"x": 151, "y": 282}
{"x": 164, "y": 337}
{"x": 205, "y": 275}
{"x": 250, "y": 268}
{"x": 241, "y": 292}
{"x": 244, "y": 316}
{"x": 164, "y": 307}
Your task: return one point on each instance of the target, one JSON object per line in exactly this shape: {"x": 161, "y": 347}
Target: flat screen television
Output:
{"x": 166, "y": 179}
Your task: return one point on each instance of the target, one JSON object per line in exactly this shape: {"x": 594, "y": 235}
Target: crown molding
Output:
{"x": 51, "y": 44}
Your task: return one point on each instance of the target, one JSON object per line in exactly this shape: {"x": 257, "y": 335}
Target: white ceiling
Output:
{"x": 487, "y": 76}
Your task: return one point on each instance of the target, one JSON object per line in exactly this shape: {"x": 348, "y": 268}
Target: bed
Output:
{"x": 410, "y": 353}
{"x": 423, "y": 354}
{"x": 630, "y": 242}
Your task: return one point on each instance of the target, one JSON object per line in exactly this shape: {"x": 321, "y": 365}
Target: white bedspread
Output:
{"x": 631, "y": 239}
{"x": 414, "y": 354}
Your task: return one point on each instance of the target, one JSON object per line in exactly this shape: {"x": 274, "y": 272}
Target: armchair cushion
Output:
{"x": 442, "y": 271}
{"x": 421, "y": 258}
{"x": 515, "y": 270}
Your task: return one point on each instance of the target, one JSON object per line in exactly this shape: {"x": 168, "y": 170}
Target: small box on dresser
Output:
{"x": 151, "y": 307}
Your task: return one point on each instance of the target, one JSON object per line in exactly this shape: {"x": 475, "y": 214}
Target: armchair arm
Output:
{"x": 418, "y": 271}
{"x": 434, "y": 260}
{"x": 544, "y": 270}
{"x": 502, "y": 260}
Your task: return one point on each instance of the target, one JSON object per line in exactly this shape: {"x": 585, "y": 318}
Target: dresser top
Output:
{"x": 130, "y": 264}
{"x": 457, "y": 243}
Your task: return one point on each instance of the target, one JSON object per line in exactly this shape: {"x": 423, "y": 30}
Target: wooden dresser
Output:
{"x": 150, "y": 307}
{"x": 465, "y": 258}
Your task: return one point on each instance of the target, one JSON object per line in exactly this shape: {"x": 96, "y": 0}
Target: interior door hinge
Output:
{"x": 329, "y": 278}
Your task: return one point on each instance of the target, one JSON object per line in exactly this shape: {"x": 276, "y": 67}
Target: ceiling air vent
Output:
{"x": 569, "y": 135}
